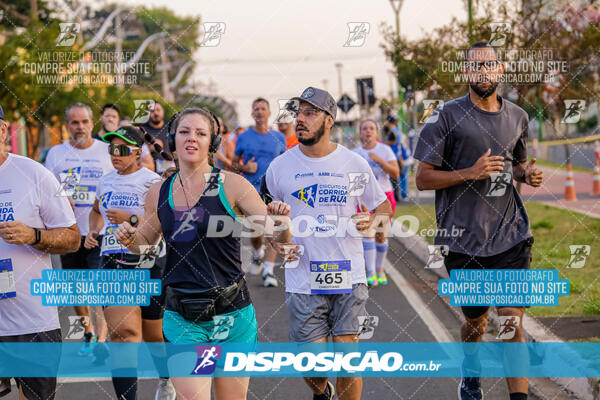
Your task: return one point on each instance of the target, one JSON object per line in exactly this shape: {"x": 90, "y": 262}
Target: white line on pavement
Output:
{"x": 435, "y": 326}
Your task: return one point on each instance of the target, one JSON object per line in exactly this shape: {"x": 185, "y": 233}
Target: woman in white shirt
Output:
{"x": 383, "y": 163}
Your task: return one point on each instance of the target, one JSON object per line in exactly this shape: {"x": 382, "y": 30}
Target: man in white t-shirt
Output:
{"x": 324, "y": 183}
{"x": 33, "y": 223}
{"x": 79, "y": 164}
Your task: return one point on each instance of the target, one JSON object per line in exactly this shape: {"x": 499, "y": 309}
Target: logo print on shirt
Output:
{"x": 105, "y": 199}
{"x": 207, "y": 356}
{"x": 7, "y": 212}
{"x": 307, "y": 195}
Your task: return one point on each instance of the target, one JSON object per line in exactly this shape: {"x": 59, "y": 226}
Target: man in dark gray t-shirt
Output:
{"x": 470, "y": 151}
{"x": 489, "y": 222}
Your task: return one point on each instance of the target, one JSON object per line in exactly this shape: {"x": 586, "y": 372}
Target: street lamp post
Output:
{"x": 397, "y": 7}
{"x": 167, "y": 93}
{"x": 339, "y": 66}
{"x": 470, "y": 14}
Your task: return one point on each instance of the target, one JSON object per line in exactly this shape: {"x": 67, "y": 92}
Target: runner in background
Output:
{"x": 236, "y": 133}
{"x": 34, "y": 223}
{"x": 405, "y": 153}
{"x": 390, "y": 137}
{"x": 128, "y": 184}
{"x": 156, "y": 125}
{"x": 78, "y": 165}
{"x": 109, "y": 120}
{"x": 224, "y": 156}
{"x": 285, "y": 125}
{"x": 398, "y": 141}
{"x": 157, "y": 128}
{"x": 146, "y": 159}
{"x": 382, "y": 161}
{"x": 258, "y": 146}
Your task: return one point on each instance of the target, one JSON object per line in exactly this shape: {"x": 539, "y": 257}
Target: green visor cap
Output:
{"x": 129, "y": 134}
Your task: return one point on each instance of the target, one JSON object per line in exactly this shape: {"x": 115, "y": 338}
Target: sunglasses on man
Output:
{"x": 121, "y": 150}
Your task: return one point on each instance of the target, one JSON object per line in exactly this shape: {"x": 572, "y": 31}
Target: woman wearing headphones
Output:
{"x": 120, "y": 198}
{"x": 383, "y": 163}
{"x": 203, "y": 282}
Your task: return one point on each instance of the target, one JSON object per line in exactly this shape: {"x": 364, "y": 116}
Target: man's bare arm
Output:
{"x": 59, "y": 240}
{"x": 148, "y": 231}
{"x": 526, "y": 172}
{"x": 53, "y": 241}
{"x": 429, "y": 178}
{"x": 236, "y": 166}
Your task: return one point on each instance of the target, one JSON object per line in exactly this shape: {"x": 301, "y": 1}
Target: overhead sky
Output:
{"x": 276, "y": 48}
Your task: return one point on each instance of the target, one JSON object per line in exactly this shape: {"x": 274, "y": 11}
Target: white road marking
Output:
{"x": 435, "y": 326}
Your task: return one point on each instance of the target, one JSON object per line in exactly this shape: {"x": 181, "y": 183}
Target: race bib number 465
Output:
{"x": 330, "y": 277}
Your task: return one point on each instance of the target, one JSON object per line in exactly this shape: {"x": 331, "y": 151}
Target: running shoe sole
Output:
{"x": 458, "y": 391}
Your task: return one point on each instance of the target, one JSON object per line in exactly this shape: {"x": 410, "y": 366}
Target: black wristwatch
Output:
{"x": 133, "y": 220}
{"x": 38, "y": 236}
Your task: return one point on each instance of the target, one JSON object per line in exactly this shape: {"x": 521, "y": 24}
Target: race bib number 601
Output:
{"x": 84, "y": 196}
{"x": 330, "y": 277}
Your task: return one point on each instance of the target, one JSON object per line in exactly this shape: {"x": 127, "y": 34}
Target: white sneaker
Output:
{"x": 270, "y": 280}
{"x": 256, "y": 266}
{"x": 165, "y": 390}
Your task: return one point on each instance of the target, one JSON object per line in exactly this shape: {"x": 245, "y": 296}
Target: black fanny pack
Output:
{"x": 196, "y": 304}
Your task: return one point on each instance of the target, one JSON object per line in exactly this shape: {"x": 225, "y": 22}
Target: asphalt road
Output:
{"x": 408, "y": 308}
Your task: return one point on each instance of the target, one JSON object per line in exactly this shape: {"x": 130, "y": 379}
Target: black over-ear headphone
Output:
{"x": 215, "y": 139}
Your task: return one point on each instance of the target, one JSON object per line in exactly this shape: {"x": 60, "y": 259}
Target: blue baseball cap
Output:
{"x": 1, "y": 113}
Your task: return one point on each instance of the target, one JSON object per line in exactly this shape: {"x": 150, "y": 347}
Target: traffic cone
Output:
{"x": 596, "y": 188}
{"x": 570, "y": 184}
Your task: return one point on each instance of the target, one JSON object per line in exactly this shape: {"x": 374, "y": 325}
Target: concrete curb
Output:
{"x": 580, "y": 388}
